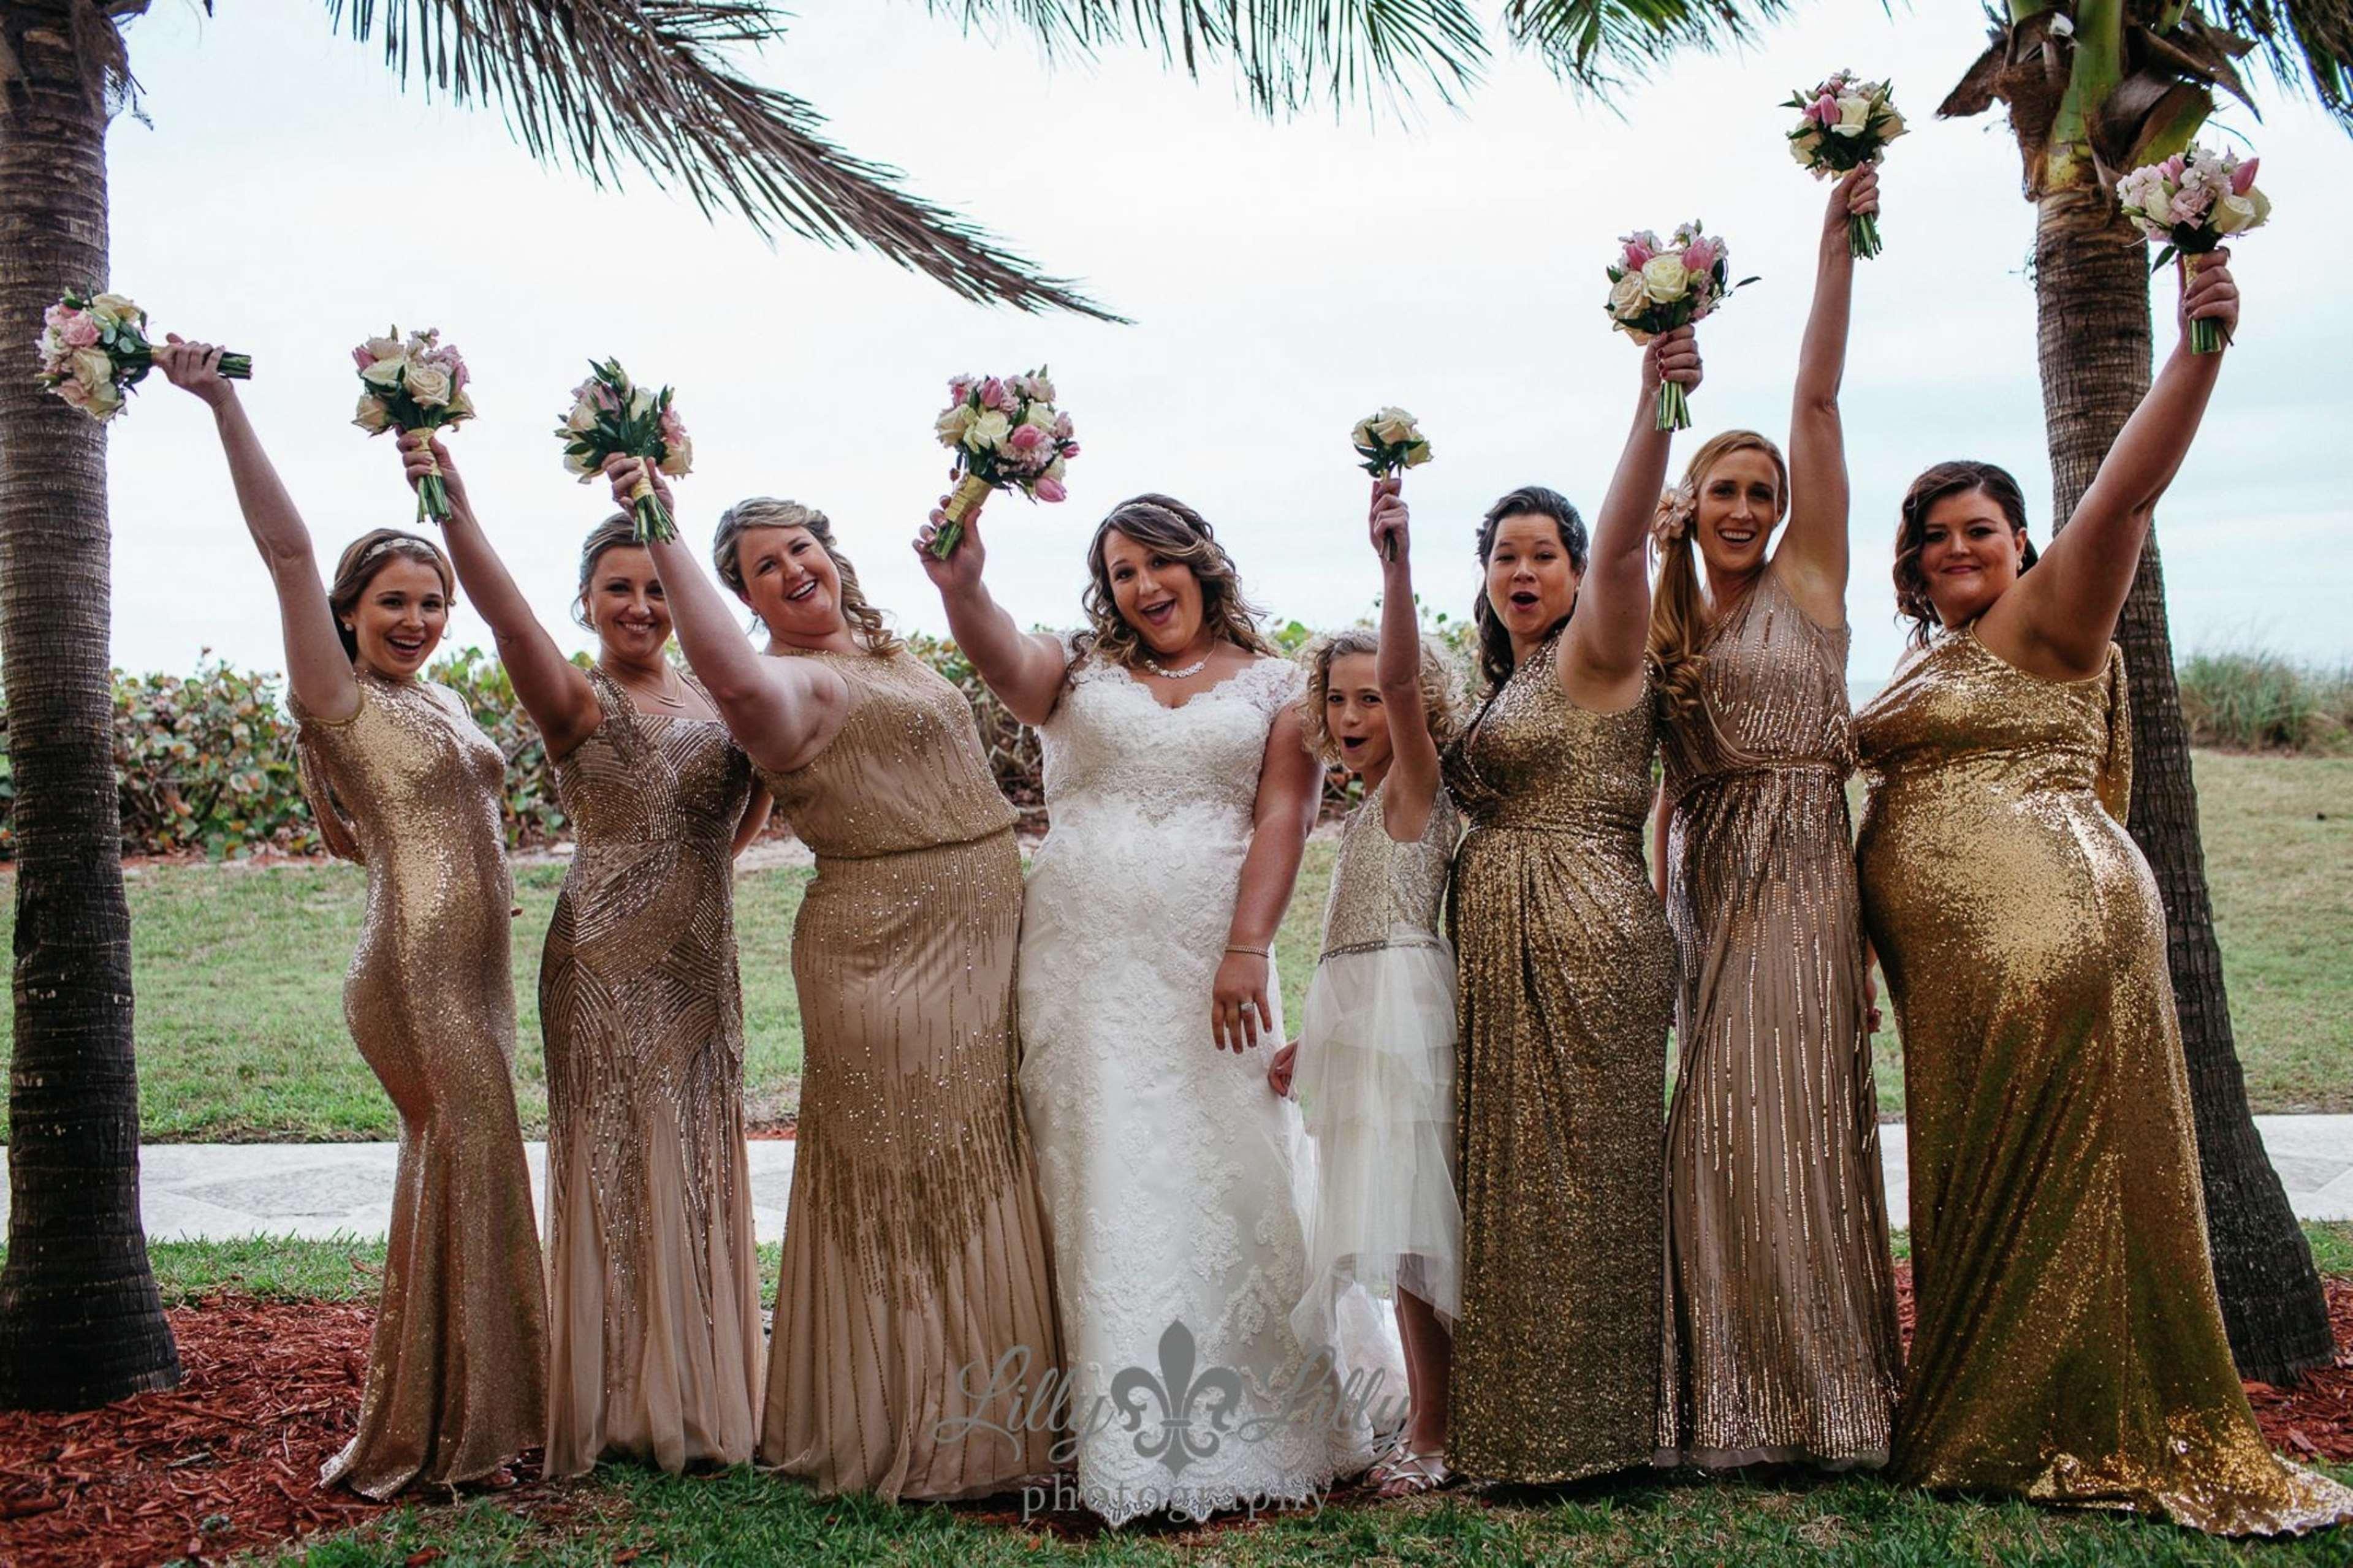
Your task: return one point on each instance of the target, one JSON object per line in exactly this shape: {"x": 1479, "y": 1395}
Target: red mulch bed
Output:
{"x": 229, "y": 1461}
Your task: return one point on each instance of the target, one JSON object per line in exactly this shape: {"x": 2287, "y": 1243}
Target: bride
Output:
{"x": 1181, "y": 795}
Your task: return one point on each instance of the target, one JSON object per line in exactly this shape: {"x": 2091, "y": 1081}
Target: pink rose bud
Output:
{"x": 1063, "y": 428}
{"x": 959, "y": 388}
{"x": 1027, "y": 438}
{"x": 994, "y": 396}
{"x": 2173, "y": 167}
{"x": 2243, "y": 178}
{"x": 80, "y": 333}
{"x": 74, "y": 392}
{"x": 1825, "y": 111}
{"x": 1052, "y": 489}
{"x": 1699, "y": 256}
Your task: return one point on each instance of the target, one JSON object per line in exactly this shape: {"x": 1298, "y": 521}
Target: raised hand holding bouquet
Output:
{"x": 1843, "y": 124}
{"x": 416, "y": 383}
{"x": 1656, "y": 288}
{"x": 94, "y": 350}
{"x": 1390, "y": 441}
{"x": 2195, "y": 201}
{"x": 1006, "y": 434}
{"x": 612, "y": 417}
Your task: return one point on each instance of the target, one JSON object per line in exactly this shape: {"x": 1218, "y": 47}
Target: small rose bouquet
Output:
{"x": 1843, "y": 124}
{"x": 1006, "y": 434}
{"x": 1656, "y": 288}
{"x": 415, "y": 383}
{"x": 94, "y": 351}
{"x": 1390, "y": 441}
{"x": 612, "y": 417}
{"x": 2194, "y": 201}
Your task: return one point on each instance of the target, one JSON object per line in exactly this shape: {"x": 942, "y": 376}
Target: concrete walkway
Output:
{"x": 212, "y": 1192}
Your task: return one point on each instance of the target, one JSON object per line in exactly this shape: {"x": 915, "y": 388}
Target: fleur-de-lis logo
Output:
{"x": 1196, "y": 1413}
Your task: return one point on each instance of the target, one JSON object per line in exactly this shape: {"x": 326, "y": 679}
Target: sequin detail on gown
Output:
{"x": 915, "y": 1249}
{"x": 1780, "y": 1339}
{"x": 653, "y": 1279}
{"x": 2069, "y": 1346}
{"x": 1566, "y": 986}
{"x": 456, "y": 1377}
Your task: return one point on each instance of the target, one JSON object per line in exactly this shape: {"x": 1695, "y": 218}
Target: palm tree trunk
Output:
{"x": 81, "y": 1323}
{"x": 2092, "y": 296}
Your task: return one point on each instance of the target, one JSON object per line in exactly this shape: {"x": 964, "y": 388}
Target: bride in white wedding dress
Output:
{"x": 1180, "y": 796}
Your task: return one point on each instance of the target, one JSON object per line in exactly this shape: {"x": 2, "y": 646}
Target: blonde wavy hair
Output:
{"x": 865, "y": 621}
{"x": 1437, "y": 679}
{"x": 1677, "y": 618}
{"x": 1169, "y": 528}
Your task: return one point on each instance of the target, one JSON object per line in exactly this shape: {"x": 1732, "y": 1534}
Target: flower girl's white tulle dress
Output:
{"x": 1376, "y": 1076}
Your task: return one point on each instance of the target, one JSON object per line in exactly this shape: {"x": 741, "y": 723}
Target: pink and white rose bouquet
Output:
{"x": 1657, "y": 287}
{"x": 1843, "y": 124}
{"x": 1007, "y": 434}
{"x": 2194, "y": 202}
{"x": 413, "y": 382}
{"x": 612, "y": 417}
{"x": 94, "y": 351}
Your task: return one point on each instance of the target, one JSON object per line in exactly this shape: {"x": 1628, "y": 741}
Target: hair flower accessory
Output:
{"x": 1677, "y": 507}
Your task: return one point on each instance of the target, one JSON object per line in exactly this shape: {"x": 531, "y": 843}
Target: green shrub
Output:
{"x": 2245, "y": 701}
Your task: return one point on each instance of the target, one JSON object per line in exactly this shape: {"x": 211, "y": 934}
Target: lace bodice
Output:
{"x": 1111, "y": 745}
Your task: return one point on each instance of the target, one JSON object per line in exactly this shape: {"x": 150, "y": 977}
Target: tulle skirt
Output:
{"x": 1375, "y": 1082}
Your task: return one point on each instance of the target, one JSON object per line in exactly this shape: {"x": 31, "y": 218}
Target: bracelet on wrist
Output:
{"x": 1253, "y": 952}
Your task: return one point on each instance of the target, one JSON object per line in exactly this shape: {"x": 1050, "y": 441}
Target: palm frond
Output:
{"x": 2306, "y": 42}
{"x": 605, "y": 84}
{"x": 1288, "y": 53}
{"x": 1590, "y": 41}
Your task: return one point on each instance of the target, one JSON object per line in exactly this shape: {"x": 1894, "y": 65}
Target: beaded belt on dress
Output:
{"x": 1421, "y": 939}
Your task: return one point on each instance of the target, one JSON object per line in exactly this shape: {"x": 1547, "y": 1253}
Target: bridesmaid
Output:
{"x": 1566, "y": 986}
{"x": 1780, "y": 1338}
{"x": 915, "y": 1252}
{"x": 2069, "y": 1348}
{"x": 652, "y": 1276}
{"x": 400, "y": 778}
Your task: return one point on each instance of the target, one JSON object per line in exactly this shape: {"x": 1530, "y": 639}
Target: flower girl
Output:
{"x": 1374, "y": 1064}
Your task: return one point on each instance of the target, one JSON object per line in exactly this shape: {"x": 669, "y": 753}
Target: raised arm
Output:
{"x": 1290, "y": 788}
{"x": 1812, "y": 554}
{"x": 2058, "y": 620}
{"x": 1601, "y": 656}
{"x": 781, "y": 711}
{"x": 1412, "y": 782}
{"x": 1025, "y": 669}
{"x": 318, "y": 670}
{"x": 552, "y": 689}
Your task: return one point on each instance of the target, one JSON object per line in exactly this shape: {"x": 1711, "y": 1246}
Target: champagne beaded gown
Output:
{"x": 410, "y": 786}
{"x": 1565, "y": 984}
{"x": 916, "y": 1246}
{"x": 653, "y": 1280}
{"x": 2068, "y": 1347}
{"x": 1780, "y": 1336}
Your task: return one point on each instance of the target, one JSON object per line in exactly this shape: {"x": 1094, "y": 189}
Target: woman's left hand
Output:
{"x": 1672, "y": 356}
{"x": 1279, "y": 1070}
{"x": 1238, "y": 1009}
{"x": 2210, "y": 293}
{"x": 422, "y": 453}
{"x": 1853, "y": 196}
{"x": 625, "y": 472}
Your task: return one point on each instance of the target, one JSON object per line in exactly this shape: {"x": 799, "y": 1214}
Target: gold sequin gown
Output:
{"x": 653, "y": 1282}
{"x": 1566, "y": 986}
{"x": 915, "y": 1249}
{"x": 1780, "y": 1339}
{"x": 2068, "y": 1347}
{"x": 456, "y": 1373}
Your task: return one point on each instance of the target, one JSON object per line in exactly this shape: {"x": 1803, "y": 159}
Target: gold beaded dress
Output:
{"x": 2069, "y": 1348}
{"x": 653, "y": 1282}
{"x": 1565, "y": 984}
{"x": 916, "y": 1257}
{"x": 411, "y": 787}
{"x": 1781, "y": 1340}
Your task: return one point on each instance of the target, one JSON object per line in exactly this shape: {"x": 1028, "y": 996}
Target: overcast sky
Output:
{"x": 1285, "y": 278}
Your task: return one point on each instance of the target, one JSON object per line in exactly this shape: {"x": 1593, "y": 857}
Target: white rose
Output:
{"x": 461, "y": 406}
{"x": 1362, "y": 436}
{"x": 953, "y": 423}
{"x": 1802, "y": 149}
{"x": 582, "y": 419}
{"x": 1665, "y": 279}
{"x": 1854, "y": 114}
{"x": 116, "y": 308}
{"x": 428, "y": 385}
{"x": 988, "y": 431}
{"x": 579, "y": 463}
{"x": 1057, "y": 470}
{"x": 1417, "y": 454}
{"x": 1891, "y": 127}
{"x": 105, "y": 400}
{"x": 385, "y": 372}
{"x": 641, "y": 403}
{"x": 681, "y": 460}
{"x": 1628, "y": 296}
{"x": 1394, "y": 427}
{"x": 93, "y": 369}
{"x": 372, "y": 415}
{"x": 1041, "y": 415}
{"x": 383, "y": 348}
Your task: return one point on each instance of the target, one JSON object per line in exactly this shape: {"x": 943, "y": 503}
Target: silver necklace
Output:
{"x": 1196, "y": 668}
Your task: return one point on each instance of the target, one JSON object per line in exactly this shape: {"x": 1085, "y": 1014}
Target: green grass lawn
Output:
{"x": 239, "y": 970}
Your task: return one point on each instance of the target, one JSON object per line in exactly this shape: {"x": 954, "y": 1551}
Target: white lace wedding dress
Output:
{"x": 1168, "y": 1165}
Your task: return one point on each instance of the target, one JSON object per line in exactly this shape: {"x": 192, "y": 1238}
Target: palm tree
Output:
{"x": 601, "y": 84}
{"x": 2095, "y": 89}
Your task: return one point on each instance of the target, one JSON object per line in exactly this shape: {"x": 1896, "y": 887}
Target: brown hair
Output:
{"x": 1437, "y": 689}
{"x": 1676, "y": 621}
{"x": 864, "y": 620}
{"x": 1495, "y": 638}
{"x": 1957, "y": 478}
{"x": 619, "y": 532}
{"x": 370, "y": 554}
{"x": 1168, "y": 528}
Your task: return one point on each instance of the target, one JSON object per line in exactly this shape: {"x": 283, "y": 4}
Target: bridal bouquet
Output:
{"x": 612, "y": 417}
{"x": 415, "y": 383}
{"x": 1843, "y": 124}
{"x": 1007, "y": 434}
{"x": 2193, "y": 202}
{"x": 94, "y": 350}
{"x": 1656, "y": 288}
